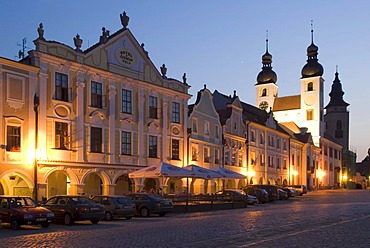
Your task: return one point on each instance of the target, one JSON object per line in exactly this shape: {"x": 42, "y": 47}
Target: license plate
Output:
{"x": 40, "y": 219}
{"x": 94, "y": 208}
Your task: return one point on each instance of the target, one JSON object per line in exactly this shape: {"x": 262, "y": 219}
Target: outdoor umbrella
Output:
{"x": 162, "y": 170}
{"x": 229, "y": 173}
{"x": 204, "y": 173}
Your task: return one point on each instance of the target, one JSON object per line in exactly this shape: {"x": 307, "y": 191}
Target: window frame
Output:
{"x": 96, "y": 139}
{"x": 16, "y": 138}
{"x": 126, "y": 143}
{"x": 153, "y": 107}
{"x": 175, "y": 149}
{"x": 126, "y": 101}
{"x": 175, "y": 118}
{"x": 152, "y": 146}
{"x": 96, "y": 94}
{"x": 61, "y": 85}
{"x": 61, "y": 137}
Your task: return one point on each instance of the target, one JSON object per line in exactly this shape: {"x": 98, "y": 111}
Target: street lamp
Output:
{"x": 36, "y": 104}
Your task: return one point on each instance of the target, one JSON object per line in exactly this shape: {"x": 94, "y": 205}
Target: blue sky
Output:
{"x": 219, "y": 42}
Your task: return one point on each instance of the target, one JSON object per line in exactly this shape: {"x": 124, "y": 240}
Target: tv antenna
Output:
{"x": 21, "y": 53}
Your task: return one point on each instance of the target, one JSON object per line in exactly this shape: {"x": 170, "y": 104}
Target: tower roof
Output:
{"x": 267, "y": 75}
{"x": 336, "y": 93}
{"x": 312, "y": 68}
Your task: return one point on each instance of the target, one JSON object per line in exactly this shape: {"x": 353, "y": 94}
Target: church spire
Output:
{"x": 336, "y": 93}
{"x": 267, "y": 75}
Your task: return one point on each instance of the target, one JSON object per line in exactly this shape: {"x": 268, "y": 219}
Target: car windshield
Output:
{"x": 155, "y": 198}
{"x": 122, "y": 200}
{"x": 81, "y": 200}
{"x": 16, "y": 202}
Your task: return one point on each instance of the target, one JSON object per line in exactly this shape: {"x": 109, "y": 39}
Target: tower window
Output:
{"x": 310, "y": 86}
{"x": 264, "y": 92}
{"x": 309, "y": 115}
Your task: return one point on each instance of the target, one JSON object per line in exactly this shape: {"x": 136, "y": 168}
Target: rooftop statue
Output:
{"x": 124, "y": 19}
{"x": 78, "y": 42}
{"x": 40, "y": 30}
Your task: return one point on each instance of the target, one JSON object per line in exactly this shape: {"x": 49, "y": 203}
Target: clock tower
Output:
{"x": 266, "y": 87}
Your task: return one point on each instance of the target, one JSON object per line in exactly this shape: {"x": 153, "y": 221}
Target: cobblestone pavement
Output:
{"x": 330, "y": 218}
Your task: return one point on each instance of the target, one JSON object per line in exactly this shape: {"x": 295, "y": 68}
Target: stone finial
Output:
{"x": 124, "y": 19}
{"x": 204, "y": 86}
{"x": 234, "y": 93}
{"x": 184, "y": 78}
{"x": 78, "y": 42}
{"x": 105, "y": 35}
{"x": 40, "y": 30}
{"x": 163, "y": 70}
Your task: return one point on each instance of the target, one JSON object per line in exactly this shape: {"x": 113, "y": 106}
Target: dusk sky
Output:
{"x": 219, "y": 42}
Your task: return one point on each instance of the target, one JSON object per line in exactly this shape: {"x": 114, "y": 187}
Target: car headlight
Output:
{"x": 50, "y": 215}
{"x": 28, "y": 216}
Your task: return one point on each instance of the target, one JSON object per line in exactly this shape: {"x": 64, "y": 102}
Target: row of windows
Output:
{"x": 62, "y": 93}
{"x": 270, "y": 140}
{"x": 206, "y": 128}
{"x": 264, "y": 91}
{"x": 206, "y": 154}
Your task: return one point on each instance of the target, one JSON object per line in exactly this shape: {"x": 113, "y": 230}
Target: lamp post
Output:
{"x": 36, "y": 104}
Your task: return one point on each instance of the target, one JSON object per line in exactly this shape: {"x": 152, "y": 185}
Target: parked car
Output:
{"x": 261, "y": 194}
{"x": 252, "y": 200}
{"x": 271, "y": 190}
{"x": 283, "y": 195}
{"x": 116, "y": 206}
{"x": 232, "y": 195}
{"x": 302, "y": 189}
{"x": 71, "y": 208}
{"x": 290, "y": 191}
{"x": 23, "y": 210}
{"x": 147, "y": 204}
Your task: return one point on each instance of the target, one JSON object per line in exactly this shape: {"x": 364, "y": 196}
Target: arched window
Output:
{"x": 310, "y": 86}
{"x": 264, "y": 92}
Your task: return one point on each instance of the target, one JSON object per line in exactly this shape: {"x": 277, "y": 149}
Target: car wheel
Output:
{"x": 14, "y": 224}
{"x": 108, "y": 216}
{"x": 162, "y": 214}
{"x": 68, "y": 219}
{"x": 144, "y": 212}
{"x": 128, "y": 217}
{"x": 94, "y": 221}
{"x": 45, "y": 224}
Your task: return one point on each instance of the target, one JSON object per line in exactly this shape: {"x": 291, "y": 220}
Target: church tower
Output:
{"x": 266, "y": 87}
{"x": 337, "y": 115}
{"x": 312, "y": 94}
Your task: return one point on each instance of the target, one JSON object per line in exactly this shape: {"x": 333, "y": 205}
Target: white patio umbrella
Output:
{"x": 204, "y": 173}
{"x": 226, "y": 173}
{"x": 162, "y": 170}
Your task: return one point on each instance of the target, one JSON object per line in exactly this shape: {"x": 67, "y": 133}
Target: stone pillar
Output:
{"x": 76, "y": 189}
{"x": 112, "y": 118}
{"x": 108, "y": 189}
{"x": 43, "y": 98}
{"x": 184, "y": 121}
{"x": 81, "y": 150}
{"x": 165, "y": 118}
{"x": 140, "y": 138}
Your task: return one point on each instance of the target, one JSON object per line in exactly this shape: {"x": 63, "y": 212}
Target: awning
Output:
{"x": 204, "y": 173}
{"x": 162, "y": 170}
{"x": 226, "y": 173}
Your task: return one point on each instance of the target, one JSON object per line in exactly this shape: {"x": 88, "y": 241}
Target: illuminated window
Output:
{"x": 309, "y": 115}
{"x": 206, "y": 154}
{"x": 13, "y": 138}
{"x": 194, "y": 152}
{"x": 61, "y": 135}
{"x": 217, "y": 156}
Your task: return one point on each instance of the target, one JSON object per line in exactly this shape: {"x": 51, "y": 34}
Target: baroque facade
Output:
{"x": 78, "y": 122}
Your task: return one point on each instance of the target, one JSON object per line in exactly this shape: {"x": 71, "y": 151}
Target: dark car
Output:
{"x": 272, "y": 190}
{"x": 23, "y": 210}
{"x": 116, "y": 206}
{"x": 283, "y": 195}
{"x": 147, "y": 204}
{"x": 71, "y": 208}
{"x": 232, "y": 195}
{"x": 261, "y": 194}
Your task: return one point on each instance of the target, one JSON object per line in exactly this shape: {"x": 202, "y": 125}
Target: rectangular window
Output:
{"x": 331, "y": 152}
{"x": 253, "y": 136}
{"x": 127, "y": 101}
{"x": 195, "y": 126}
{"x": 217, "y": 134}
{"x": 262, "y": 138}
{"x": 126, "y": 143}
{"x": 227, "y": 157}
{"x": 61, "y": 87}
{"x": 175, "y": 149}
{"x": 277, "y": 163}
{"x": 309, "y": 114}
{"x": 292, "y": 159}
{"x": 96, "y": 95}
{"x": 240, "y": 159}
{"x": 176, "y": 112}
{"x": 206, "y": 154}
{"x": 153, "y": 147}
{"x": 217, "y": 156}
{"x": 253, "y": 158}
{"x": 13, "y": 139}
{"x": 96, "y": 139}
{"x": 278, "y": 143}
{"x": 61, "y": 136}
{"x": 194, "y": 152}
{"x": 284, "y": 145}
{"x": 262, "y": 160}
{"x": 153, "y": 107}
{"x": 206, "y": 128}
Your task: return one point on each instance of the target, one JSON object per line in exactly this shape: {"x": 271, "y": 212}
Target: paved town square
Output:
{"x": 328, "y": 218}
